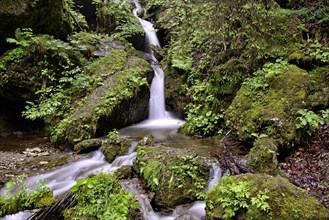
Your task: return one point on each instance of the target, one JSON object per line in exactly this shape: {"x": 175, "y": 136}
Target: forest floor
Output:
{"x": 308, "y": 166}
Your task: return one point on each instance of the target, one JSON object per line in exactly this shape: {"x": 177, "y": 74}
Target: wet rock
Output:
{"x": 115, "y": 146}
{"x": 258, "y": 196}
{"x": 87, "y": 146}
{"x": 124, "y": 172}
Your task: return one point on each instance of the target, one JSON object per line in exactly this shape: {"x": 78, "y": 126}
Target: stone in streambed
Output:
{"x": 87, "y": 146}
{"x": 175, "y": 176}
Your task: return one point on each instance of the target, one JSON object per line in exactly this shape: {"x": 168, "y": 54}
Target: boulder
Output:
{"x": 266, "y": 104}
{"x": 120, "y": 100}
{"x": 113, "y": 147}
{"x": 175, "y": 176}
{"x": 87, "y": 146}
{"x": 260, "y": 196}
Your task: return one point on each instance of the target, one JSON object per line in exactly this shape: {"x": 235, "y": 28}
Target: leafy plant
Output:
{"x": 101, "y": 197}
{"x": 20, "y": 197}
{"x": 233, "y": 196}
{"x": 310, "y": 121}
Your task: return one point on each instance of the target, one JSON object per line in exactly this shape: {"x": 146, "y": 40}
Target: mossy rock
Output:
{"x": 262, "y": 157}
{"x": 43, "y": 16}
{"x": 266, "y": 104}
{"x": 120, "y": 100}
{"x": 58, "y": 162}
{"x": 176, "y": 176}
{"x": 260, "y": 196}
{"x": 113, "y": 148}
{"x": 319, "y": 88}
{"x": 87, "y": 146}
{"x": 124, "y": 172}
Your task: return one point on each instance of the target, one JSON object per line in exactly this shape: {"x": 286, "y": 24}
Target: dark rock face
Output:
{"x": 44, "y": 16}
{"x": 88, "y": 9}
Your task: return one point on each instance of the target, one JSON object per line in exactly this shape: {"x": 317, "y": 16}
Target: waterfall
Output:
{"x": 157, "y": 109}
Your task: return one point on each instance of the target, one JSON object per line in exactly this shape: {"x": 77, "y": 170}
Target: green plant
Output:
{"x": 235, "y": 195}
{"x": 101, "y": 197}
{"x": 310, "y": 121}
{"x": 113, "y": 136}
{"x": 20, "y": 197}
{"x": 188, "y": 171}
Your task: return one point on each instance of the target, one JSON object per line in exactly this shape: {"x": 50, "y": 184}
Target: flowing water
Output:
{"x": 160, "y": 123}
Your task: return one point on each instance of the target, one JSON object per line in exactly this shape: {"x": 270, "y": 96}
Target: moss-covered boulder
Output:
{"x": 176, "y": 176}
{"x": 115, "y": 146}
{"x": 25, "y": 199}
{"x": 267, "y": 103}
{"x": 101, "y": 197}
{"x": 87, "y": 146}
{"x": 259, "y": 196}
{"x": 262, "y": 157}
{"x": 120, "y": 100}
{"x": 54, "y": 17}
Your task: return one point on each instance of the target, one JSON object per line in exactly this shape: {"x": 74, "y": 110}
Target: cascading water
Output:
{"x": 158, "y": 117}
{"x": 62, "y": 179}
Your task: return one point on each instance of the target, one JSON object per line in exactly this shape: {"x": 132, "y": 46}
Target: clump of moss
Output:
{"x": 175, "y": 176}
{"x": 101, "y": 197}
{"x": 262, "y": 157}
{"x": 87, "y": 146}
{"x": 57, "y": 162}
{"x": 115, "y": 146}
{"x": 259, "y": 196}
{"x": 319, "y": 87}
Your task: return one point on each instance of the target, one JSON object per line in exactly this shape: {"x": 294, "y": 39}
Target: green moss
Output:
{"x": 57, "y": 162}
{"x": 264, "y": 197}
{"x": 24, "y": 198}
{"x": 112, "y": 148}
{"x": 119, "y": 78}
{"x": 87, "y": 146}
{"x": 124, "y": 172}
{"x": 266, "y": 103}
{"x": 319, "y": 87}
{"x": 175, "y": 176}
{"x": 262, "y": 157}
{"x": 101, "y": 197}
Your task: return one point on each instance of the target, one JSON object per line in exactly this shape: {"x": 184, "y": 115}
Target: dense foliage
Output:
{"x": 101, "y": 197}
{"x": 20, "y": 197}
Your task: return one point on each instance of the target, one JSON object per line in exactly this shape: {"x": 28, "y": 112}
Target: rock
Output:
{"x": 254, "y": 112}
{"x": 124, "y": 172}
{"x": 87, "y": 146}
{"x": 175, "y": 176}
{"x": 43, "y": 16}
{"x": 271, "y": 107}
{"x": 43, "y": 162}
{"x": 260, "y": 196}
{"x": 121, "y": 100}
{"x": 57, "y": 162}
{"x": 262, "y": 157}
{"x": 114, "y": 147}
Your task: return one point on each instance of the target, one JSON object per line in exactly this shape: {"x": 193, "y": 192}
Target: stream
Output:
{"x": 161, "y": 124}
